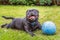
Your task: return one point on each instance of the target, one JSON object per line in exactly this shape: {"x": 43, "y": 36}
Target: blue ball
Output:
{"x": 49, "y": 28}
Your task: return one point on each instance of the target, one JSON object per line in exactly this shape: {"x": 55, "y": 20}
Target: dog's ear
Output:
{"x": 36, "y": 10}
{"x": 27, "y": 12}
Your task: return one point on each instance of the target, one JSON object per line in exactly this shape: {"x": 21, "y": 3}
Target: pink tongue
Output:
{"x": 32, "y": 17}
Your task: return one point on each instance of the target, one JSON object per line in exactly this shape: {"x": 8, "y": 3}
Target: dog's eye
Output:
{"x": 28, "y": 14}
{"x": 30, "y": 10}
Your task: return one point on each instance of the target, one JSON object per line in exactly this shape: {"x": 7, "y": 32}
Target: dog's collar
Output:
{"x": 33, "y": 24}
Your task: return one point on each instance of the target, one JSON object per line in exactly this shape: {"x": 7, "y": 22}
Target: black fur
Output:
{"x": 25, "y": 23}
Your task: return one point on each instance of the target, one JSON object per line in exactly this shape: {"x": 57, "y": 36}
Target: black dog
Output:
{"x": 29, "y": 23}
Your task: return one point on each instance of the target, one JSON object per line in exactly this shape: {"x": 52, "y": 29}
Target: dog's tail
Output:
{"x": 8, "y": 17}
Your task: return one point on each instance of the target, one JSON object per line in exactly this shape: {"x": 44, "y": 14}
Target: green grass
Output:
{"x": 47, "y": 13}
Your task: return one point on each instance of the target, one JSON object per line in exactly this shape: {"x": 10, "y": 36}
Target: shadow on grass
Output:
{"x": 48, "y": 34}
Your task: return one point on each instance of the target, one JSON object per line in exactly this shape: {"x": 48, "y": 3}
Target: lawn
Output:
{"x": 46, "y": 13}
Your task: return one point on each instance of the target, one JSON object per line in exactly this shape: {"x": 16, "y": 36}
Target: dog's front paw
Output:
{"x": 32, "y": 35}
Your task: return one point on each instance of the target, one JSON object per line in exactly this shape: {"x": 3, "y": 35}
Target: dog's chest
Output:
{"x": 32, "y": 25}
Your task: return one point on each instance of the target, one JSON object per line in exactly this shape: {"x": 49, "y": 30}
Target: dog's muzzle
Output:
{"x": 32, "y": 18}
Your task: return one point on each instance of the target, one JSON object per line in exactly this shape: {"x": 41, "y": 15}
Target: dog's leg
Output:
{"x": 8, "y": 26}
{"x": 38, "y": 26}
{"x": 11, "y": 25}
{"x": 29, "y": 31}
{"x": 2, "y": 26}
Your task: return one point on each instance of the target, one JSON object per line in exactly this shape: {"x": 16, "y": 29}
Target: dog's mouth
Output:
{"x": 32, "y": 18}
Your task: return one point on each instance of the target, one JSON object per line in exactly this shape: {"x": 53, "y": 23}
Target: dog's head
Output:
{"x": 32, "y": 15}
